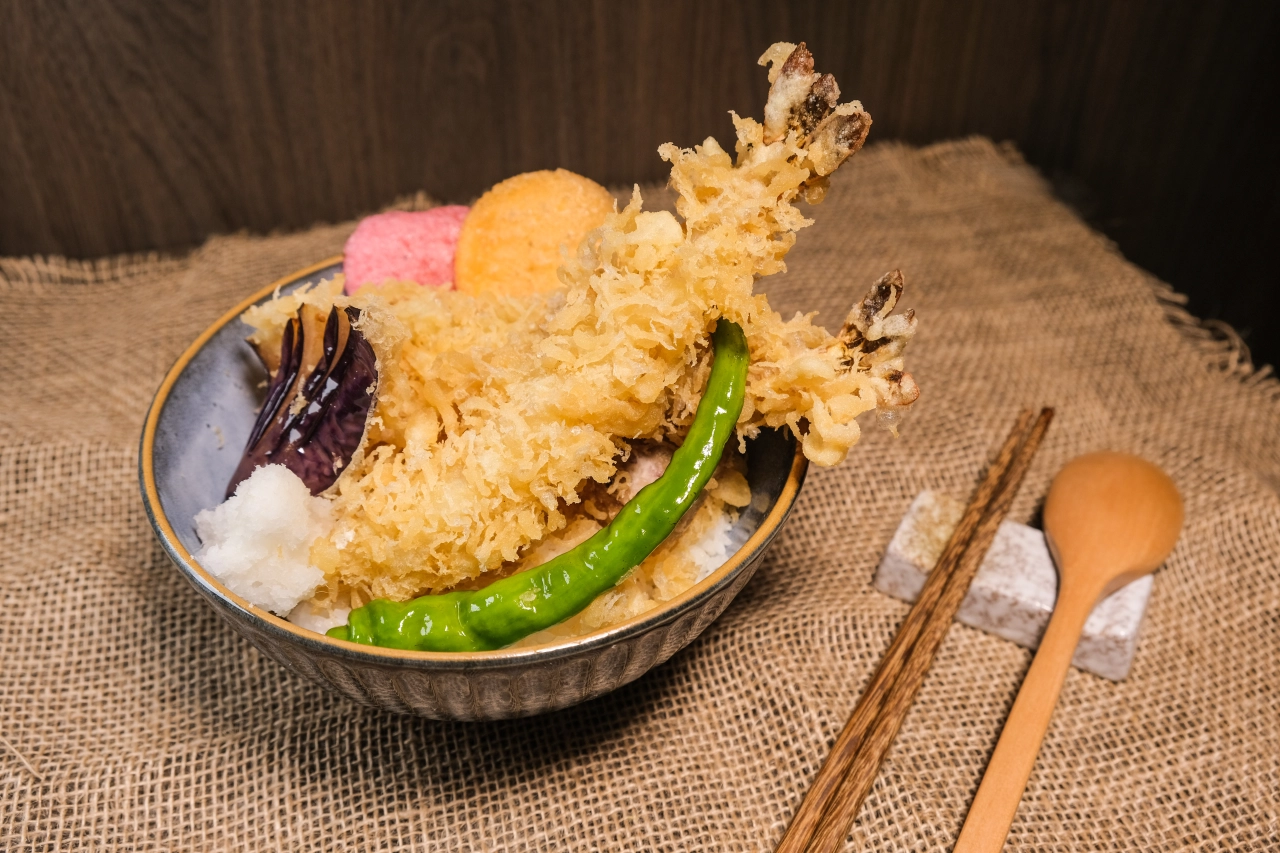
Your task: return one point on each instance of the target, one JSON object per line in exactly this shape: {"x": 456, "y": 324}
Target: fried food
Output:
{"x": 512, "y": 238}
{"x": 494, "y": 412}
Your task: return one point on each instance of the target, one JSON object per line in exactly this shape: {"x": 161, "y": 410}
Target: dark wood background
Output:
{"x": 131, "y": 124}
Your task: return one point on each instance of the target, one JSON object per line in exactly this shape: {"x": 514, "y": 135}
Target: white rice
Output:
{"x": 713, "y": 547}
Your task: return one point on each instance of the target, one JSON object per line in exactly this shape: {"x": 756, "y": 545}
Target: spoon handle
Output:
{"x": 987, "y": 824}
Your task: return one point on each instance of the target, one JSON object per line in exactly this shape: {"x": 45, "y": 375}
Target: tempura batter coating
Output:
{"x": 494, "y": 411}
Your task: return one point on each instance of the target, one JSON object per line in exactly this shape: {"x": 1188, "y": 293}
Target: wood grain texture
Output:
{"x": 129, "y": 125}
{"x": 851, "y": 739}
{"x": 856, "y": 784}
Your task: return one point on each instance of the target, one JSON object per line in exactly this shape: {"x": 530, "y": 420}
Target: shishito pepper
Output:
{"x": 519, "y": 605}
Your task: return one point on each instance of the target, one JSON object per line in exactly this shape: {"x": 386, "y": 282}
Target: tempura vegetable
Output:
{"x": 511, "y": 609}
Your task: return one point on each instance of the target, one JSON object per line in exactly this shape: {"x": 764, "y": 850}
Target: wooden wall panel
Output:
{"x": 129, "y": 124}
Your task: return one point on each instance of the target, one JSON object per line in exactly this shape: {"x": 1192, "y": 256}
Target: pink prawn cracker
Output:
{"x": 404, "y": 246}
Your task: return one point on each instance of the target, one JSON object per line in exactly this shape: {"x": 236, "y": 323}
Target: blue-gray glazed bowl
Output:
{"x": 194, "y": 434}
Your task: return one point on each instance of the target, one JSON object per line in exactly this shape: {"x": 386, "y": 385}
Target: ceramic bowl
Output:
{"x": 195, "y": 432}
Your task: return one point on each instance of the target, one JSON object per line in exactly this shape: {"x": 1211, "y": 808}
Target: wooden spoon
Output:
{"x": 1110, "y": 518}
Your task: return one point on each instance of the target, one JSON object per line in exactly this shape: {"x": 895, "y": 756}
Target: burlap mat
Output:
{"x": 133, "y": 719}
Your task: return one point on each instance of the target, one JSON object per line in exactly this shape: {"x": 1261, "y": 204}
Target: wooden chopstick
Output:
{"x": 838, "y": 762}
{"x": 835, "y": 768}
{"x": 843, "y": 806}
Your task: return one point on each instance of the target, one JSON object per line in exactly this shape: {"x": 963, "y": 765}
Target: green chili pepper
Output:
{"x": 538, "y": 598}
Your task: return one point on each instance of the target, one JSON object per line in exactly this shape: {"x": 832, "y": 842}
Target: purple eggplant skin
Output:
{"x": 315, "y": 440}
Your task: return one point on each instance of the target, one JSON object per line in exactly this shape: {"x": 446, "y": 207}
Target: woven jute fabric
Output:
{"x": 131, "y": 718}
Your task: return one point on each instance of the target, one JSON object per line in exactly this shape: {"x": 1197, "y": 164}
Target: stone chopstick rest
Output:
{"x": 1013, "y": 593}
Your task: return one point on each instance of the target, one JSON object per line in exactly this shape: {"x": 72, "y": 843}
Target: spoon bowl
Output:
{"x": 1110, "y": 518}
